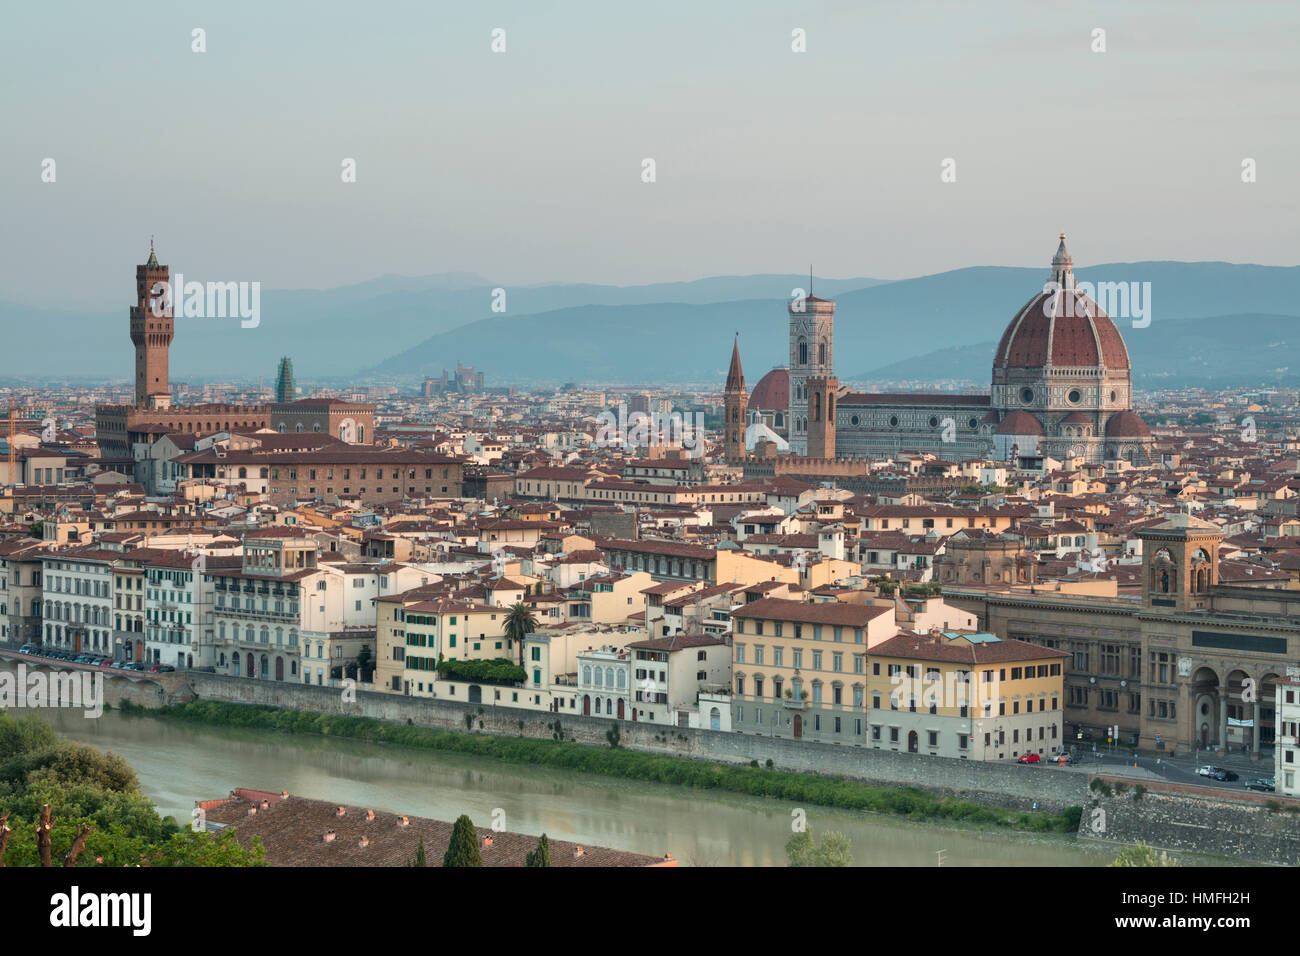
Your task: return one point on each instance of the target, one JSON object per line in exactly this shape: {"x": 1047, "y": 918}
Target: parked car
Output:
{"x": 27, "y": 649}
{"x": 161, "y": 669}
{"x": 106, "y": 662}
{"x": 1029, "y": 758}
{"x": 1207, "y": 771}
{"x": 1263, "y": 784}
{"x": 134, "y": 666}
{"x": 1227, "y": 775}
{"x": 1065, "y": 759}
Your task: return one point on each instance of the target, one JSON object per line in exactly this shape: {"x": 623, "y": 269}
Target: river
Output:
{"x": 180, "y": 763}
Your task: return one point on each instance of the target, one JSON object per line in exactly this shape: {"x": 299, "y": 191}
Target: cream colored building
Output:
{"x": 971, "y": 696}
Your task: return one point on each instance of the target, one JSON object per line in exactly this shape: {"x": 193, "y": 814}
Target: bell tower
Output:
{"x": 821, "y": 416}
{"x": 812, "y": 341}
{"x": 151, "y": 332}
{"x": 735, "y": 402}
{"x": 1180, "y": 562}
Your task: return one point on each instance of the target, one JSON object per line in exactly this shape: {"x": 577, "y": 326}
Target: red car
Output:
{"x": 1029, "y": 758}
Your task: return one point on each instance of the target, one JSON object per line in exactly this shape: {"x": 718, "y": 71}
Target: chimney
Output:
{"x": 340, "y": 811}
{"x": 370, "y": 814}
{"x": 252, "y": 811}
{"x": 365, "y": 841}
{"x": 329, "y": 836}
{"x": 487, "y": 842}
{"x": 266, "y": 804}
{"x": 578, "y": 852}
{"x": 403, "y": 821}
{"x": 284, "y": 794}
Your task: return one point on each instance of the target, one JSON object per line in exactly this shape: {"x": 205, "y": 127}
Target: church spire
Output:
{"x": 153, "y": 259}
{"x": 735, "y": 377}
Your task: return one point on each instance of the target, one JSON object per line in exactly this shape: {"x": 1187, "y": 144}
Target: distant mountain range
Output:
{"x": 1219, "y": 352}
{"x": 887, "y": 330}
{"x": 1211, "y": 322}
{"x": 335, "y": 333}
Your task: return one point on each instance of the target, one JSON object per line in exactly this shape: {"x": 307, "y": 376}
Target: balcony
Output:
{"x": 790, "y": 702}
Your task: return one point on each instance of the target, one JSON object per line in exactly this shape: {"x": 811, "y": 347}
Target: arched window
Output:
{"x": 817, "y": 406}
{"x": 821, "y": 352}
{"x": 803, "y": 351}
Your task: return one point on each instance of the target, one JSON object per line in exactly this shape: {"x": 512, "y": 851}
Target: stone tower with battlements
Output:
{"x": 151, "y": 332}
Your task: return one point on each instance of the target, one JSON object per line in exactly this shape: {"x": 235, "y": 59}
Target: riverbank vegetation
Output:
{"x": 619, "y": 762}
{"x": 67, "y": 804}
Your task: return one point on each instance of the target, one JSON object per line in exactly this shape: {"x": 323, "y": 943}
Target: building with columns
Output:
{"x": 1188, "y": 664}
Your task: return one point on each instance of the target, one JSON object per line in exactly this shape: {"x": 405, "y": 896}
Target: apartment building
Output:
{"x": 966, "y": 695}
{"x": 263, "y": 610}
{"x": 21, "y": 591}
{"x": 78, "y": 599}
{"x": 799, "y": 669}
{"x": 670, "y": 673}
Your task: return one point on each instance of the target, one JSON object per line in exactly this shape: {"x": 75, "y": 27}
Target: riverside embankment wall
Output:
{"x": 1170, "y": 818}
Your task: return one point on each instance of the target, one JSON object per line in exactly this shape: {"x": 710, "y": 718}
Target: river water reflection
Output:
{"x": 180, "y": 763}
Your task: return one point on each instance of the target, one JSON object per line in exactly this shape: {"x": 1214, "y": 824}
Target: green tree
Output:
{"x": 542, "y": 855}
{"x": 365, "y": 664}
{"x": 97, "y": 814}
{"x": 463, "y": 848}
{"x": 1139, "y": 854}
{"x": 420, "y": 858}
{"x": 520, "y": 622}
{"x": 834, "y": 850}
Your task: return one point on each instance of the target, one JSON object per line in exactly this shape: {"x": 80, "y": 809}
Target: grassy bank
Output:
{"x": 617, "y": 762}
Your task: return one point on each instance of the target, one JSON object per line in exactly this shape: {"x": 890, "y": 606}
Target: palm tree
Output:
{"x": 520, "y": 622}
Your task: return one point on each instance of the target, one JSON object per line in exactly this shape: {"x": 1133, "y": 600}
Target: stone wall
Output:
{"x": 1196, "y": 823}
{"x": 995, "y": 784}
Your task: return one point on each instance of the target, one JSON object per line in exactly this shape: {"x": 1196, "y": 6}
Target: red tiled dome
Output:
{"x": 1065, "y": 329}
{"x": 1020, "y": 423}
{"x": 772, "y": 393}
{"x": 1127, "y": 425}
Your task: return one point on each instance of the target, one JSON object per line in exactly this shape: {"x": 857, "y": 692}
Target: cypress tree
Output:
{"x": 463, "y": 848}
{"x": 420, "y": 858}
{"x": 542, "y": 855}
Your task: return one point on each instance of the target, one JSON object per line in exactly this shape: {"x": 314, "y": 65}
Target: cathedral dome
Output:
{"x": 1020, "y": 423}
{"x": 1127, "y": 425}
{"x": 1062, "y": 328}
{"x": 772, "y": 393}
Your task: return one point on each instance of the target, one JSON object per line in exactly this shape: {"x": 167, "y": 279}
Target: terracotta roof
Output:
{"x": 293, "y": 831}
{"x": 772, "y": 393}
{"x": 925, "y": 647}
{"x": 783, "y": 609}
{"x": 1085, "y": 337}
{"x": 1020, "y": 422}
{"x": 1127, "y": 425}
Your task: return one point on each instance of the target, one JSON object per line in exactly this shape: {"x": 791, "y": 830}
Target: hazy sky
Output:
{"x": 525, "y": 166}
